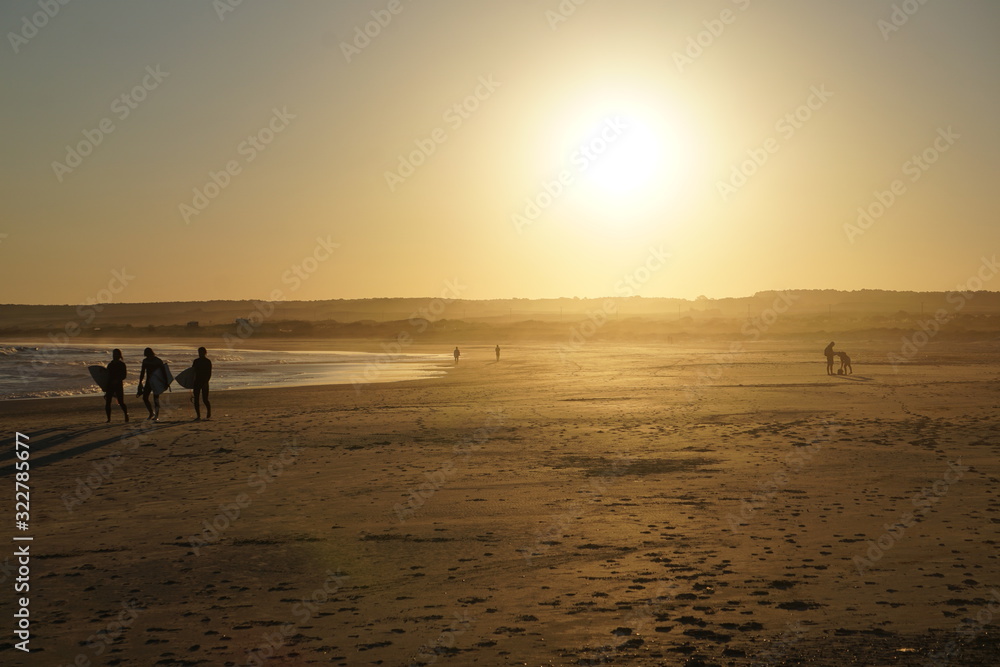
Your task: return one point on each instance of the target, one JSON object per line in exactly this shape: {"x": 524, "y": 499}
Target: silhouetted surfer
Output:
{"x": 150, "y": 365}
{"x": 117, "y": 372}
{"x": 202, "y": 374}
{"x": 829, "y": 358}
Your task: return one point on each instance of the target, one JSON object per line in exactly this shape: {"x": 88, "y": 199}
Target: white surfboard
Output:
{"x": 161, "y": 379}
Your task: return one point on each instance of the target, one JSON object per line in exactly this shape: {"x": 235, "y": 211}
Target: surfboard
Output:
{"x": 161, "y": 379}
{"x": 186, "y": 378}
{"x": 101, "y": 376}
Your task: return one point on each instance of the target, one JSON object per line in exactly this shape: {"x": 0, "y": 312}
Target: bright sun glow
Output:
{"x": 632, "y": 161}
{"x": 628, "y": 166}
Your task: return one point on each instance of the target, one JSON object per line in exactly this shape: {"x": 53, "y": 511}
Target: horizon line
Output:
{"x": 512, "y": 298}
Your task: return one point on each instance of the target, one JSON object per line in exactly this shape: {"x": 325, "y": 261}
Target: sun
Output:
{"x": 631, "y": 162}
{"x": 626, "y": 160}
{"x": 629, "y": 169}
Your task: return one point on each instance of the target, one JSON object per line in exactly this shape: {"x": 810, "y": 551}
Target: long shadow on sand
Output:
{"x": 65, "y": 434}
{"x": 854, "y": 378}
{"x": 86, "y": 447}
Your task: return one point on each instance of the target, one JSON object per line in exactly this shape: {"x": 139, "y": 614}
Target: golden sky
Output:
{"x": 316, "y": 150}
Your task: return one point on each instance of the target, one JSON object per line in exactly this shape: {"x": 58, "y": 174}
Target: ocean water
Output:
{"x": 30, "y": 370}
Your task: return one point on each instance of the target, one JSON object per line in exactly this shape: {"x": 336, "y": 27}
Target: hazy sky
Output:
{"x": 738, "y": 137}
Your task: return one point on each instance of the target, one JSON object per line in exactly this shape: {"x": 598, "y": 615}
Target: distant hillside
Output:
{"x": 209, "y": 313}
{"x": 812, "y": 314}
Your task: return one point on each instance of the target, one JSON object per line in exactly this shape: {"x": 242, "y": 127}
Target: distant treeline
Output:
{"x": 598, "y": 325}
{"x": 765, "y": 315}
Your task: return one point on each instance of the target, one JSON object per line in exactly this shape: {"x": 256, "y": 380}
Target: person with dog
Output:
{"x": 845, "y": 364}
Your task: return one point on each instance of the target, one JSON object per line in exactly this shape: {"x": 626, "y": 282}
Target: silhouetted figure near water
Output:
{"x": 498, "y": 353}
{"x": 117, "y": 372}
{"x": 845, "y": 364}
{"x": 457, "y": 354}
{"x": 202, "y": 374}
{"x": 829, "y": 358}
{"x": 150, "y": 365}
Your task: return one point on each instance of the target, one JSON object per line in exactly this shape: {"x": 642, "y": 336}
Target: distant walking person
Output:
{"x": 498, "y": 353}
{"x": 202, "y": 374}
{"x": 150, "y": 365}
{"x": 457, "y": 354}
{"x": 117, "y": 372}
{"x": 845, "y": 364}
{"x": 829, "y": 358}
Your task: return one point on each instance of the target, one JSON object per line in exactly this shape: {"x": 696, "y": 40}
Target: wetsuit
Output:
{"x": 117, "y": 373}
{"x": 202, "y": 374}
{"x": 150, "y": 365}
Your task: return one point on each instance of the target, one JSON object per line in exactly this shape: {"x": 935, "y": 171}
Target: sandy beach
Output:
{"x": 616, "y": 505}
{"x": 662, "y": 214}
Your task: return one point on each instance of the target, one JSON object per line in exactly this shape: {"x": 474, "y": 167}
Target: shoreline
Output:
{"x": 328, "y": 368}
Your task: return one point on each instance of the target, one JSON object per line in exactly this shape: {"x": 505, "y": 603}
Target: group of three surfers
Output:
{"x": 153, "y": 366}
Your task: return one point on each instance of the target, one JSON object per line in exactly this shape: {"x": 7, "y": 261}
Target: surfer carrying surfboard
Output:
{"x": 117, "y": 372}
{"x": 155, "y": 373}
{"x": 202, "y": 374}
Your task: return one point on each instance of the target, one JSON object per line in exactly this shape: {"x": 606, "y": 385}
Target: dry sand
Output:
{"x": 621, "y": 505}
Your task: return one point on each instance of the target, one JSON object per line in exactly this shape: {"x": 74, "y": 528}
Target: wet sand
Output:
{"x": 617, "y": 505}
